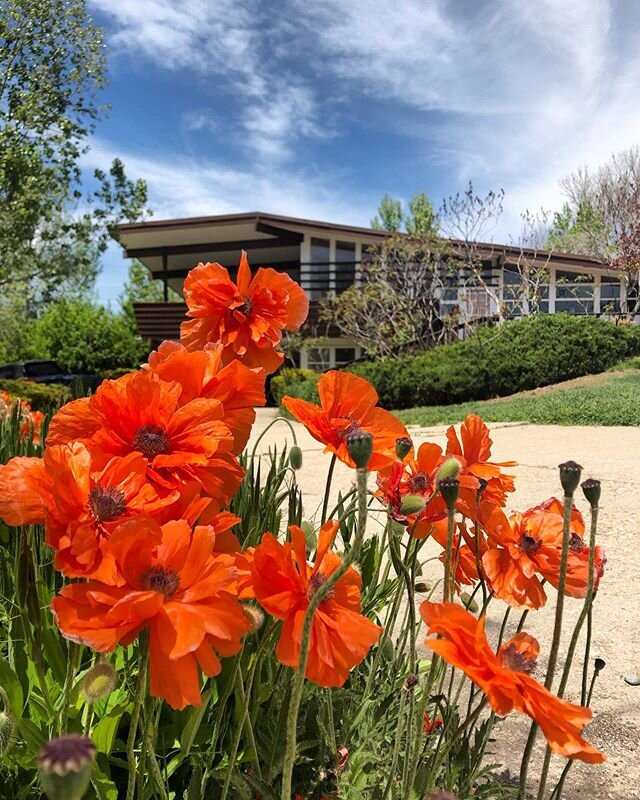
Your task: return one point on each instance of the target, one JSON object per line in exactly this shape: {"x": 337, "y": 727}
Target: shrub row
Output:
{"x": 40, "y": 396}
{"x": 522, "y": 354}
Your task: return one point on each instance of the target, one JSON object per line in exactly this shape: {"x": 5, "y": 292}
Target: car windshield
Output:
{"x": 37, "y": 369}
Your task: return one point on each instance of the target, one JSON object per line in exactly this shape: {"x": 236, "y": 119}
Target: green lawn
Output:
{"x": 613, "y": 400}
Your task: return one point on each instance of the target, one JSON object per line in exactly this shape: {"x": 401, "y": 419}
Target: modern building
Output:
{"x": 325, "y": 257}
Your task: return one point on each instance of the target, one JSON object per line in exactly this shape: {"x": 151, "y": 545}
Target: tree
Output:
{"x": 578, "y": 230}
{"x": 390, "y": 215}
{"x": 396, "y": 304}
{"x": 52, "y": 67}
{"x": 421, "y": 220}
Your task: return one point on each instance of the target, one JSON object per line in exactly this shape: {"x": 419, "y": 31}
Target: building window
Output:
{"x": 319, "y": 358}
{"x": 344, "y": 356}
{"x": 318, "y": 279}
{"x": 345, "y": 265}
{"x": 610, "y": 293}
{"x": 575, "y": 292}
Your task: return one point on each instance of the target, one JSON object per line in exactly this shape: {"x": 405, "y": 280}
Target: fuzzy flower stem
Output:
{"x": 448, "y": 557}
{"x": 270, "y": 425}
{"x": 318, "y": 597}
{"x": 138, "y": 701}
{"x": 555, "y": 642}
{"x": 327, "y": 488}
{"x": 72, "y": 655}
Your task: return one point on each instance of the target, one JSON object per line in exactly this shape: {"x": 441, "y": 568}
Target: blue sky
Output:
{"x": 317, "y": 108}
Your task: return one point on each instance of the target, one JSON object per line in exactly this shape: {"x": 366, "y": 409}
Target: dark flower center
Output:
{"x": 159, "y": 579}
{"x": 106, "y": 503}
{"x": 315, "y": 583}
{"x": 529, "y": 545}
{"x": 511, "y": 658}
{"x": 576, "y": 543}
{"x": 419, "y": 482}
{"x": 151, "y": 441}
{"x": 247, "y": 307}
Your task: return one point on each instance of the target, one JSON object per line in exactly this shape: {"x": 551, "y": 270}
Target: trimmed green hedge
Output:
{"x": 40, "y": 396}
{"x": 522, "y": 354}
{"x": 295, "y": 382}
{"x": 496, "y": 362}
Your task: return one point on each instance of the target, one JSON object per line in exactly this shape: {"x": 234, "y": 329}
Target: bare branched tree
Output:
{"x": 526, "y": 277}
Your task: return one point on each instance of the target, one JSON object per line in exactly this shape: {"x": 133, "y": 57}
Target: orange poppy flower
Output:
{"x": 504, "y": 677}
{"x": 201, "y": 373}
{"x": 79, "y": 505}
{"x": 348, "y": 404}
{"x": 464, "y": 551}
{"x": 284, "y": 583}
{"x": 529, "y": 545}
{"x": 474, "y": 450}
{"x": 248, "y": 317}
{"x": 175, "y": 586}
{"x": 140, "y": 413}
{"x": 417, "y": 476}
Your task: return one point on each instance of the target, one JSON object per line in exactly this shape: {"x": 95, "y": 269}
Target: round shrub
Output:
{"x": 295, "y": 382}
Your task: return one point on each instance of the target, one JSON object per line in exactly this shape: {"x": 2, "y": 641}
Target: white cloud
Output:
{"x": 185, "y": 187}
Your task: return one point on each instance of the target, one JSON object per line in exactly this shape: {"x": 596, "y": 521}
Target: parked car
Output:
{"x": 47, "y": 372}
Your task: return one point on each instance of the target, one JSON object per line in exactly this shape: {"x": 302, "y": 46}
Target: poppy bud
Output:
{"x": 468, "y": 602}
{"x": 6, "y": 731}
{"x": 599, "y": 664}
{"x": 255, "y": 617}
{"x": 411, "y": 682}
{"x": 591, "y": 490}
{"x": 65, "y": 766}
{"x": 295, "y": 457}
{"x": 423, "y": 587}
{"x": 482, "y": 485}
{"x": 388, "y": 650}
{"x": 570, "y": 473}
{"x": 403, "y": 447}
{"x": 449, "y": 488}
{"x": 411, "y": 504}
{"x": 360, "y": 446}
{"x": 99, "y": 682}
{"x": 448, "y": 469}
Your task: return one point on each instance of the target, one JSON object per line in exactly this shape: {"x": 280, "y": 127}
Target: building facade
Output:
{"x": 326, "y": 257}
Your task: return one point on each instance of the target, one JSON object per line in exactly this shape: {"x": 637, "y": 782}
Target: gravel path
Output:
{"x": 611, "y": 454}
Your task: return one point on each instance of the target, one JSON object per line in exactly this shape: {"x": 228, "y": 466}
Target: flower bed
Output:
{"x": 174, "y": 625}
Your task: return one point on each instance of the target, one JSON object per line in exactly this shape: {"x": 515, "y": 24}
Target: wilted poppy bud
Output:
{"x": 570, "y": 473}
{"x": 403, "y": 447}
{"x": 448, "y": 469}
{"x": 411, "y": 504}
{"x": 449, "y": 488}
{"x": 360, "y": 446}
{"x": 6, "y": 731}
{"x": 255, "y": 617}
{"x": 482, "y": 485}
{"x": 295, "y": 457}
{"x": 411, "y": 682}
{"x": 468, "y": 602}
{"x": 65, "y": 766}
{"x": 99, "y": 681}
{"x": 591, "y": 489}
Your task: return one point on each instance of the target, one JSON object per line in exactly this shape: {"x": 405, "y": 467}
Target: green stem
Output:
{"x": 396, "y": 748}
{"x": 72, "y": 656}
{"x": 327, "y": 488}
{"x": 318, "y": 597}
{"x": 448, "y": 557}
{"x": 555, "y": 642}
{"x": 270, "y": 425}
{"x": 138, "y": 701}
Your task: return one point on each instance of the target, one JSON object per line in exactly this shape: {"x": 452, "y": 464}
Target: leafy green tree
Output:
{"x": 390, "y": 216}
{"x": 421, "y": 220}
{"x": 140, "y": 287}
{"x": 579, "y": 229}
{"x": 52, "y": 67}
{"x": 86, "y": 338}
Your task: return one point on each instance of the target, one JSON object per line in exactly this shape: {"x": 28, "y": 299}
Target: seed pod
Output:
{"x": 99, "y": 682}
{"x": 360, "y": 446}
{"x": 591, "y": 489}
{"x": 449, "y": 488}
{"x": 65, "y": 765}
{"x": 570, "y": 473}
{"x": 403, "y": 447}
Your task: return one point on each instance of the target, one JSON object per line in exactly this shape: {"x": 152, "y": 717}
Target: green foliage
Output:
{"x": 421, "y": 220}
{"x": 390, "y": 215}
{"x": 40, "y": 396}
{"x": 577, "y": 230}
{"x": 523, "y": 354}
{"x": 614, "y": 401}
{"x": 295, "y": 382}
{"x": 85, "y": 338}
{"x": 53, "y": 66}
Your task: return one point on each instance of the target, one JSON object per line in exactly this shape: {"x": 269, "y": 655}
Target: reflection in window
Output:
{"x": 345, "y": 265}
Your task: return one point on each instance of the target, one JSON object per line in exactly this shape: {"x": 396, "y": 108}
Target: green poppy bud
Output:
{"x": 295, "y": 457}
{"x": 99, "y": 682}
{"x": 360, "y": 446}
{"x": 448, "y": 469}
{"x": 468, "y": 602}
{"x": 411, "y": 504}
